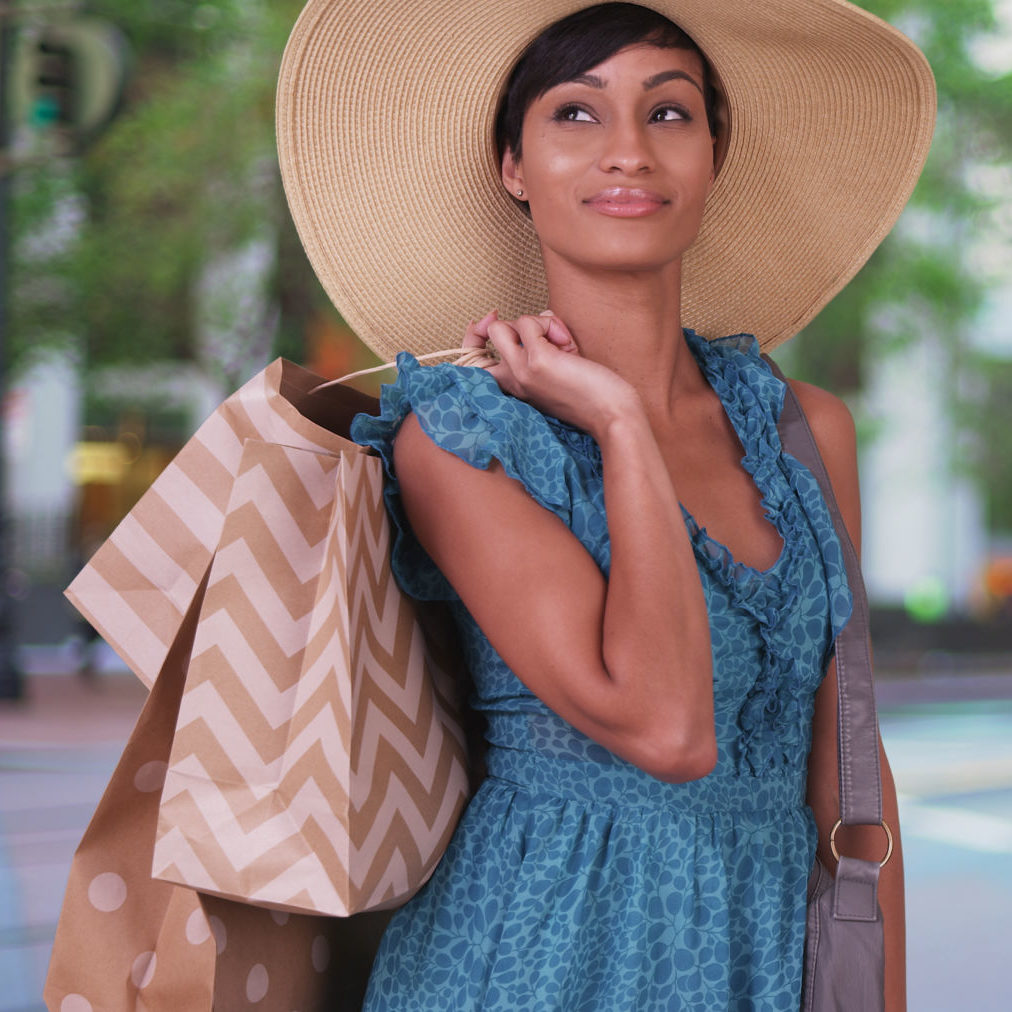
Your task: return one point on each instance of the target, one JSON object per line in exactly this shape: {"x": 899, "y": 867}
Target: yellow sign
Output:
{"x": 98, "y": 463}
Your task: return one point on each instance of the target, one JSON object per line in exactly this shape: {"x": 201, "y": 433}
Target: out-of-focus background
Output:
{"x": 148, "y": 268}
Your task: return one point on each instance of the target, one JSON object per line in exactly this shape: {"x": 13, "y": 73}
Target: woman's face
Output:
{"x": 617, "y": 164}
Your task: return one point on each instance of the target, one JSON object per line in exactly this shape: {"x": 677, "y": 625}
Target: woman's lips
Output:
{"x": 626, "y": 202}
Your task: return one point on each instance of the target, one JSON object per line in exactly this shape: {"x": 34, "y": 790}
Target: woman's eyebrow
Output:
{"x": 593, "y": 81}
{"x": 671, "y": 75}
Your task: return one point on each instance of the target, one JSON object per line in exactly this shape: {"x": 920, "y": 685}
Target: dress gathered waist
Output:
{"x": 624, "y": 785}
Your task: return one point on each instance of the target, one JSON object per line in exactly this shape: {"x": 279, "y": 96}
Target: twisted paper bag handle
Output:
{"x": 480, "y": 358}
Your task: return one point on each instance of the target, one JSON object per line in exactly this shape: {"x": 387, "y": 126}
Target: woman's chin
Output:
{"x": 619, "y": 260}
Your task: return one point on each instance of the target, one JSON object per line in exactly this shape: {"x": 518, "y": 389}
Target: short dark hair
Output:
{"x": 576, "y": 43}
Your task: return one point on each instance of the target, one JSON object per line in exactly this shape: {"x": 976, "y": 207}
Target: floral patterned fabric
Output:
{"x": 575, "y": 881}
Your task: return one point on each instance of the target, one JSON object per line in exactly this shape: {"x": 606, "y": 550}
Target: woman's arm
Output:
{"x": 625, "y": 660}
{"x": 833, "y": 428}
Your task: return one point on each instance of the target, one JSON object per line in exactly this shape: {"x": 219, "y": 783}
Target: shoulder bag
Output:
{"x": 844, "y": 942}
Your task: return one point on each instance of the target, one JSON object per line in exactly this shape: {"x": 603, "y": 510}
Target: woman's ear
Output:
{"x": 512, "y": 175}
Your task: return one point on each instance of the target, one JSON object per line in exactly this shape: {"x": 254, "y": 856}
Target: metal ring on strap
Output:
{"x": 889, "y": 837}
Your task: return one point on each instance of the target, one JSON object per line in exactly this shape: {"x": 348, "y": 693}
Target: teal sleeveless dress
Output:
{"x": 576, "y": 882}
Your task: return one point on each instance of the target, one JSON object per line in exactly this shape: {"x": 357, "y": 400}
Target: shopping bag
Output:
{"x": 128, "y": 943}
{"x": 270, "y": 959}
{"x": 125, "y": 941}
{"x": 138, "y": 585}
{"x": 319, "y": 762}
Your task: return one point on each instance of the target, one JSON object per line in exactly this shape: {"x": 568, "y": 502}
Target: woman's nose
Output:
{"x": 626, "y": 149}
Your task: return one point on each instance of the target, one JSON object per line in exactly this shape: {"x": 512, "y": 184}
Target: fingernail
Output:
{"x": 546, "y": 312}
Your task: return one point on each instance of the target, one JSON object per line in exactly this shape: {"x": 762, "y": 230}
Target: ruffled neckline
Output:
{"x": 752, "y": 398}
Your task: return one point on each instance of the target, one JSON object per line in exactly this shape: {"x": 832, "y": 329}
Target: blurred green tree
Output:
{"x": 113, "y": 246}
{"x": 924, "y": 282}
{"x": 922, "y": 267}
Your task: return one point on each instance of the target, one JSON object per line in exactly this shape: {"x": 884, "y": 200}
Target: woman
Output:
{"x": 647, "y": 588}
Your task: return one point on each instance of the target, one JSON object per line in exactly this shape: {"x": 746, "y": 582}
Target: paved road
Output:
{"x": 57, "y": 752}
{"x": 953, "y": 767}
{"x": 953, "y": 763}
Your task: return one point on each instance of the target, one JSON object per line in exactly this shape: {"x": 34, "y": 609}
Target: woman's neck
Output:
{"x": 631, "y": 323}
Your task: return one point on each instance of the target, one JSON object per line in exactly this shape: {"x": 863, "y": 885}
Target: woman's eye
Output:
{"x": 669, "y": 114}
{"x": 573, "y": 114}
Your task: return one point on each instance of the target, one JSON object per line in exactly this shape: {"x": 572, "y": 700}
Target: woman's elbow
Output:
{"x": 676, "y": 759}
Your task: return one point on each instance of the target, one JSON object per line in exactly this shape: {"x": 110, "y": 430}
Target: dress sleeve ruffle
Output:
{"x": 462, "y": 410}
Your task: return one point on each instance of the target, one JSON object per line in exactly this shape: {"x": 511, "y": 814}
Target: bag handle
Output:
{"x": 860, "y": 773}
{"x": 481, "y": 358}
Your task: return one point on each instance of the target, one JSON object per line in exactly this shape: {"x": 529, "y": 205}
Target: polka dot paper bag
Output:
{"x": 123, "y": 939}
{"x": 126, "y": 941}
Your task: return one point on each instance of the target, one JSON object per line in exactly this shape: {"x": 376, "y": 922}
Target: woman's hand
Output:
{"x": 541, "y": 364}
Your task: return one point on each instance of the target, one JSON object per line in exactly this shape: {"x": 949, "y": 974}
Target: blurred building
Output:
{"x": 925, "y": 539}
{"x": 70, "y": 484}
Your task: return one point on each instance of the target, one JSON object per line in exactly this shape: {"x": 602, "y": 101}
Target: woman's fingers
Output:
{"x": 527, "y": 349}
{"x": 558, "y": 333}
{"x": 533, "y": 332}
{"x": 476, "y": 334}
{"x": 518, "y": 341}
{"x": 548, "y": 325}
{"x": 471, "y": 338}
{"x": 504, "y": 336}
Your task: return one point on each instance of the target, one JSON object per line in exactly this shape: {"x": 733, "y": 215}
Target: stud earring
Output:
{"x": 520, "y": 192}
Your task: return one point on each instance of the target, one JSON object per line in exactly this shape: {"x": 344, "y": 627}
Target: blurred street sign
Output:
{"x": 65, "y": 82}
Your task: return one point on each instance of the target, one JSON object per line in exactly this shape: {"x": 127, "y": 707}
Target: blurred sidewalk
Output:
{"x": 58, "y": 748}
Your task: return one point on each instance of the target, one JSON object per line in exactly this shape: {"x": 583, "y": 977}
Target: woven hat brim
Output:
{"x": 385, "y": 117}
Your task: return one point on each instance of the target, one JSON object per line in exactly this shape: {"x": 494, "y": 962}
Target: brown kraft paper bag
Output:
{"x": 126, "y": 940}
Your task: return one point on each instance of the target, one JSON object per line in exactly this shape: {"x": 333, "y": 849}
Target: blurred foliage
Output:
{"x": 918, "y": 281}
{"x": 920, "y": 285}
{"x": 990, "y": 454}
{"x": 111, "y": 246}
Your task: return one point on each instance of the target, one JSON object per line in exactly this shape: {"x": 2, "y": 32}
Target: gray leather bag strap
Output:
{"x": 860, "y": 774}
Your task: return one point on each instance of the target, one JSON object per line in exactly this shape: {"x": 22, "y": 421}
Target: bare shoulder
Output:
{"x": 829, "y": 417}
{"x": 832, "y": 425}
{"x": 466, "y": 516}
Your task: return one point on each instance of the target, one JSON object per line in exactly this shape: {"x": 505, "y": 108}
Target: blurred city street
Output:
{"x": 949, "y": 740}
{"x": 149, "y": 268}
{"x": 57, "y": 751}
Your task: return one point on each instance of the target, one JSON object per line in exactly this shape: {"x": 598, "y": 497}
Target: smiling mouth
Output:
{"x": 622, "y": 202}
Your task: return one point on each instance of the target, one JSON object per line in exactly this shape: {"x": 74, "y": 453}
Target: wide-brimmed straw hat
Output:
{"x": 385, "y": 120}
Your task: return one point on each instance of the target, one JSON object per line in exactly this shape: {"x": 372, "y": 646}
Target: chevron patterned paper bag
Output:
{"x": 127, "y": 941}
{"x": 137, "y": 587}
{"x": 318, "y": 762}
